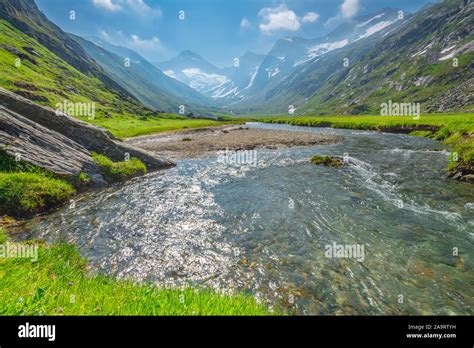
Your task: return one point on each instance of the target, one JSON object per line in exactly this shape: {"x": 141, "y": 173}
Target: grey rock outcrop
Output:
{"x": 75, "y": 132}
{"x": 38, "y": 145}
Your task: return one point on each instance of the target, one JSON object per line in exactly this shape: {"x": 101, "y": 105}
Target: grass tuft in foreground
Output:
{"x": 26, "y": 190}
{"x": 59, "y": 283}
{"x": 30, "y": 193}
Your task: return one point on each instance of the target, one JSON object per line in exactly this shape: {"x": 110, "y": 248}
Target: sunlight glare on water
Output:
{"x": 264, "y": 229}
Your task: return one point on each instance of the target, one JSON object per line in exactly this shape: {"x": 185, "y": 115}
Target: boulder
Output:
{"x": 90, "y": 137}
{"x": 38, "y": 145}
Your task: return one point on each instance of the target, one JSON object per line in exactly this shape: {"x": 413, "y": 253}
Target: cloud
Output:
{"x": 282, "y": 18}
{"x": 104, "y": 35}
{"x": 279, "y": 18}
{"x": 349, "y": 8}
{"x": 138, "y": 6}
{"x": 310, "y": 17}
{"x": 141, "y": 43}
{"x": 108, "y": 5}
{"x": 141, "y": 7}
{"x": 245, "y": 23}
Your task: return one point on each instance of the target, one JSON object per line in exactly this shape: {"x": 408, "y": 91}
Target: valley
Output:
{"x": 167, "y": 184}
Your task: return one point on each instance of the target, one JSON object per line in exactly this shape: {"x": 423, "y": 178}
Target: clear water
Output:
{"x": 264, "y": 229}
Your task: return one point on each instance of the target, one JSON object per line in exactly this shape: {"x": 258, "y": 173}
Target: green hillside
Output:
{"x": 31, "y": 70}
{"x": 414, "y": 64}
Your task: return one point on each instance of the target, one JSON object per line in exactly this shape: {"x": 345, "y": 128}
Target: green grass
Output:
{"x": 456, "y": 130}
{"x": 26, "y": 189}
{"x": 49, "y": 80}
{"x": 127, "y": 127}
{"x": 463, "y": 123}
{"x": 29, "y": 193}
{"x": 3, "y": 236}
{"x": 59, "y": 283}
{"x": 119, "y": 171}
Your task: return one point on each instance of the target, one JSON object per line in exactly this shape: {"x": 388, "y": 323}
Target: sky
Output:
{"x": 218, "y": 30}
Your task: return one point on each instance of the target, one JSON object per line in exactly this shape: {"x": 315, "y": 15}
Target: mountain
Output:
{"x": 414, "y": 64}
{"x": 193, "y": 70}
{"x": 142, "y": 79}
{"x": 289, "y": 54}
{"x": 27, "y": 18}
{"x": 34, "y": 71}
{"x": 222, "y": 85}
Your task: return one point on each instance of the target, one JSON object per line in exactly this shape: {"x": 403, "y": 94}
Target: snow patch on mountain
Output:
{"x": 253, "y": 77}
{"x": 320, "y": 49}
{"x": 370, "y": 20}
{"x": 447, "y": 49}
{"x": 223, "y": 92}
{"x": 375, "y": 28}
{"x": 202, "y": 81}
{"x": 170, "y": 73}
{"x": 272, "y": 72}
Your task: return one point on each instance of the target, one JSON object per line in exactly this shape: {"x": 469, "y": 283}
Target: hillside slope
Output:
{"x": 32, "y": 71}
{"x": 25, "y": 16}
{"x": 414, "y": 64}
{"x": 144, "y": 81}
{"x": 291, "y": 58}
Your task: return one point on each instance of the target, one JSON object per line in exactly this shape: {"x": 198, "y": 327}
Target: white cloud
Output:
{"x": 310, "y": 17}
{"x": 152, "y": 48}
{"x": 245, "y": 23}
{"x": 108, "y": 5}
{"x": 142, "y": 8}
{"x": 279, "y": 18}
{"x": 104, "y": 35}
{"x": 349, "y": 8}
{"x": 138, "y": 6}
{"x": 282, "y": 18}
{"x": 142, "y": 43}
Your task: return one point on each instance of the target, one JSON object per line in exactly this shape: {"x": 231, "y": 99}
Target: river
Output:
{"x": 264, "y": 228}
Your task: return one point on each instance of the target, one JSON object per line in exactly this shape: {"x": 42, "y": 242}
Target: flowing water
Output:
{"x": 265, "y": 229}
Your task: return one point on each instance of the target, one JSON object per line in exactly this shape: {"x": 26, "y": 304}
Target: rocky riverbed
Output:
{"x": 206, "y": 142}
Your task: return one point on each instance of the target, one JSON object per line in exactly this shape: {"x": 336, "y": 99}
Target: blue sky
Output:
{"x": 219, "y": 30}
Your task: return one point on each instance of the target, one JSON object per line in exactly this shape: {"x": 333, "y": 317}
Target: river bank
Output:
{"x": 206, "y": 142}
{"x": 454, "y": 130}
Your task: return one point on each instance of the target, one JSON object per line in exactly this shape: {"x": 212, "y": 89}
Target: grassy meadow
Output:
{"x": 128, "y": 127}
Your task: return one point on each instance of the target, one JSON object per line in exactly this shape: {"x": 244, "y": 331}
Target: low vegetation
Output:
{"x": 59, "y": 283}
{"x": 327, "y": 161}
{"x": 455, "y": 130}
{"x": 26, "y": 189}
{"x": 29, "y": 193}
{"x": 119, "y": 171}
{"x": 127, "y": 127}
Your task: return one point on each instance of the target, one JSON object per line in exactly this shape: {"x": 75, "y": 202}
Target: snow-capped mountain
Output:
{"x": 220, "y": 84}
{"x": 256, "y": 73}
{"x": 289, "y": 53}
